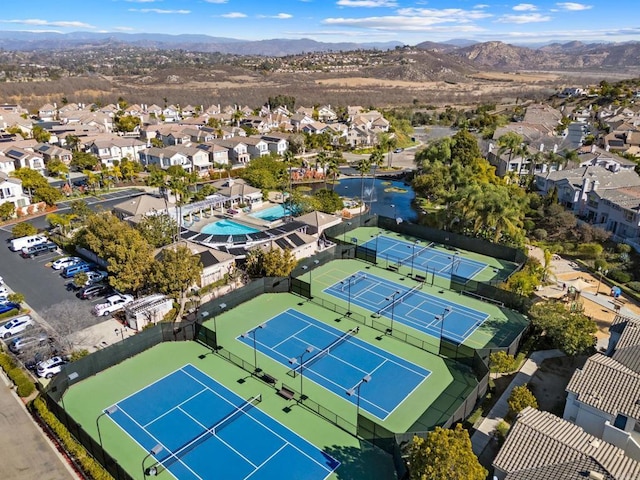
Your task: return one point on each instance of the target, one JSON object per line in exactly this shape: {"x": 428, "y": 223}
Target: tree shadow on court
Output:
{"x": 364, "y": 462}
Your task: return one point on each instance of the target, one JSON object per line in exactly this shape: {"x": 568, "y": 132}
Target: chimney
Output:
{"x": 607, "y": 147}
{"x": 593, "y": 148}
{"x": 490, "y": 147}
{"x": 555, "y": 148}
{"x": 542, "y": 147}
{"x": 594, "y": 187}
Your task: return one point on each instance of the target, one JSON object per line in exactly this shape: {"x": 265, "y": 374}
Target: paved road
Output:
{"x": 26, "y": 454}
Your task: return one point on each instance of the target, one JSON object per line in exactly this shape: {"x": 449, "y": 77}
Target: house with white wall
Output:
{"x": 11, "y": 191}
{"x": 603, "y": 397}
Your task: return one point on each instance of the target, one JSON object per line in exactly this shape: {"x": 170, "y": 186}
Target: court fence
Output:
{"x": 486, "y": 291}
{"x": 53, "y": 393}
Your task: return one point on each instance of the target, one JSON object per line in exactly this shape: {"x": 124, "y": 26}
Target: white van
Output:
{"x": 19, "y": 243}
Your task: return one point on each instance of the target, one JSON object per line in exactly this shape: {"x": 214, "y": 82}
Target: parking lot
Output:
{"x": 42, "y": 286}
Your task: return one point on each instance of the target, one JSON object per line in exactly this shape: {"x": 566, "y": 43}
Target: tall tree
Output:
{"x": 333, "y": 169}
{"x": 176, "y": 271}
{"x": 444, "y": 454}
{"x": 363, "y": 167}
{"x": 159, "y": 230}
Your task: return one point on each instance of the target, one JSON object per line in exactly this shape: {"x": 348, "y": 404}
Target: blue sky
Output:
{"x": 409, "y": 22}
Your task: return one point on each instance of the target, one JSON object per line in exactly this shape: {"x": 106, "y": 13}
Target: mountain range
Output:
{"x": 493, "y": 54}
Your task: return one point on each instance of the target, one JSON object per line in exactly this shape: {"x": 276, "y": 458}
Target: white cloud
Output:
{"x": 574, "y": 7}
{"x": 62, "y": 23}
{"x": 234, "y": 15}
{"x": 279, "y": 16}
{"x": 141, "y": 1}
{"x": 216, "y": 1}
{"x": 415, "y": 23}
{"x": 160, "y": 11}
{"x": 480, "y": 6}
{"x": 525, "y": 7}
{"x": 528, "y": 18}
{"x": 123, "y": 29}
{"x": 367, "y": 3}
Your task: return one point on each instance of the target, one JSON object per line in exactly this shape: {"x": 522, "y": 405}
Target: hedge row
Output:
{"x": 88, "y": 463}
{"x": 25, "y": 386}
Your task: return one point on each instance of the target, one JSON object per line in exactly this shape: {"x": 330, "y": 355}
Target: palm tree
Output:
{"x": 321, "y": 159}
{"x": 333, "y": 169}
{"x": 363, "y": 166}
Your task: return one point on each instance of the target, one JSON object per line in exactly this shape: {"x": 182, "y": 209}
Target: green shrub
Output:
{"x": 635, "y": 286}
{"x": 89, "y": 465}
{"x": 590, "y": 250}
{"x": 620, "y": 276}
{"x": 501, "y": 431}
{"x": 6, "y": 362}
{"x": 520, "y": 398}
{"x": 540, "y": 234}
{"x": 623, "y": 248}
{"x": 601, "y": 264}
{"x": 25, "y": 387}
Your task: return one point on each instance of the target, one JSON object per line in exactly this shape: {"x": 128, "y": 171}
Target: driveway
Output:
{"x": 26, "y": 453}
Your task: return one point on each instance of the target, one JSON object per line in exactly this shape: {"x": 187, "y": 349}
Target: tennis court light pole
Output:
{"x": 413, "y": 253}
{"x": 222, "y": 306}
{"x": 255, "y": 351}
{"x": 293, "y": 362}
{"x": 356, "y": 391}
{"x": 392, "y": 298}
{"x": 109, "y": 411}
{"x": 348, "y": 280}
{"x": 441, "y": 318}
{"x": 151, "y": 471}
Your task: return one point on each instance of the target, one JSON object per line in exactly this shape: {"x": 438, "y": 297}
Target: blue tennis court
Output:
{"x": 409, "y": 306}
{"x": 424, "y": 257}
{"x": 202, "y": 430}
{"x": 339, "y": 361}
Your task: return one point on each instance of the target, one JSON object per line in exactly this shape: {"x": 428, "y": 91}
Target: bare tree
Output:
{"x": 68, "y": 322}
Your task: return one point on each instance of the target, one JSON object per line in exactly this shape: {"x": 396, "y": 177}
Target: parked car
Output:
{"x": 35, "y": 250}
{"x": 65, "y": 262}
{"x": 73, "y": 270}
{"x": 398, "y": 150}
{"x": 112, "y": 304}
{"x": 50, "y": 367}
{"x": 92, "y": 291}
{"x": 19, "y": 345}
{"x": 16, "y": 325}
{"x": 95, "y": 277}
{"x": 7, "y": 306}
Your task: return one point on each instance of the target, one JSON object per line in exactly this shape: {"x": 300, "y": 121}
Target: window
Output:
{"x": 620, "y": 422}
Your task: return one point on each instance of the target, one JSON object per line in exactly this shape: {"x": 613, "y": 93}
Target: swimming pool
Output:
{"x": 270, "y": 214}
{"x": 227, "y": 227}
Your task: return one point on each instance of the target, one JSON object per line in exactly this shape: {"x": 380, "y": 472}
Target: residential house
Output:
{"x": 109, "y": 149}
{"x": 521, "y": 164}
{"x": 326, "y": 114}
{"x": 199, "y": 135}
{"x": 256, "y": 146}
{"x": 573, "y": 185}
{"x": 14, "y": 120}
{"x": 171, "y": 114}
{"x": 198, "y": 159}
{"x": 7, "y": 165}
{"x": 236, "y": 148}
{"x": 542, "y": 446}
{"x": 261, "y": 124}
{"x": 603, "y": 397}
{"x": 23, "y": 158}
{"x": 163, "y": 158}
{"x": 299, "y": 120}
{"x": 572, "y": 92}
{"x": 617, "y": 211}
{"x": 217, "y": 155}
{"x": 593, "y": 155}
{"x": 48, "y": 112}
{"x": 49, "y": 152}
{"x": 11, "y": 191}
{"x": 315, "y": 128}
{"x": 277, "y": 143}
{"x": 307, "y": 111}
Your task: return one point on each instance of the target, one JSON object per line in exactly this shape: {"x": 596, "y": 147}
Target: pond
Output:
{"x": 387, "y": 198}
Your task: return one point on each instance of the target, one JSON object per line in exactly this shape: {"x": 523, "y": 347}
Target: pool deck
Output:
{"x": 240, "y": 217}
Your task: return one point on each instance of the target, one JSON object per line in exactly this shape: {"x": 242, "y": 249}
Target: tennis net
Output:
{"x": 352, "y": 280}
{"x": 416, "y": 254}
{"x": 242, "y": 409}
{"x": 325, "y": 351}
{"x": 400, "y": 299}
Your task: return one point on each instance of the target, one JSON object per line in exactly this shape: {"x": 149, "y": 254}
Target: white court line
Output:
{"x": 158, "y": 442}
{"x": 175, "y": 407}
{"x": 264, "y": 426}
{"x": 209, "y": 431}
{"x": 363, "y": 347}
{"x": 267, "y": 460}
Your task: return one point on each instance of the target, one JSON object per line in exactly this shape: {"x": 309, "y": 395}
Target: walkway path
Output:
{"x": 484, "y": 432}
{"x": 26, "y": 453}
